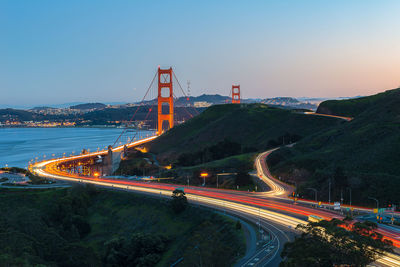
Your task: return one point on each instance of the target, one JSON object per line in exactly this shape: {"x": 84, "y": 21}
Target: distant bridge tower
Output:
{"x": 165, "y": 96}
{"x": 235, "y": 94}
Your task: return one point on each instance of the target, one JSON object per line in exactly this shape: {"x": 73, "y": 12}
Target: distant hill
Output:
{"x": 355, "y": 106}
{"x": 254, "y": 126}
{"x": 16, "y": 114}
{"x": 185, "y": 101}
{"x": 363, "y": 154}
{"x": 40, "y": 108}
{"x": 103, "y": 116}
{"x": 290, "y": 102}
{"x": 89, "y": 106}
{"x": 216, "y": 99}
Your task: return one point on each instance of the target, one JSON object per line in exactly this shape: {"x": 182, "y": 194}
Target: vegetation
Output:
{"x": 33, "y": 178}
{"x": 356, "y": 106}
{"x": 178, "y": 201}
{"x": 220, "y": 150}
{"x": 14, "y": 170}
{"x": 253, "y": 126}
{"x": 137, "y": 163}
{"x": 85, "y": 226}
{"x": 361, "y": 155}
{"x": 327, "y": 244}
{"x": 89, "y": 106}
{"x": 229, "y": 164}
{"x": 224, "y": 139}
{"x": 110, "y": 115}
{"x": 100, "y": 116}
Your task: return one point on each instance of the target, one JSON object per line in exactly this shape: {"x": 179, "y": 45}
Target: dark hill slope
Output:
{"x": 89, "y": 106}
{"x": 251, "y": 125}
{"x": 364, "y": 153}
{"x": 356, "y": 106}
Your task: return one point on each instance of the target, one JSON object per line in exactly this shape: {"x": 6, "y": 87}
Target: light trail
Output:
{"x": 250, "y": 204}
{"x": 224, "y": 204}
{"x": 330, "y": 116}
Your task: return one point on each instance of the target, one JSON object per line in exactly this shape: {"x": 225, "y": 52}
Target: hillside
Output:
{"x": 17, "y": 115}
{"x": 89, "y": 106}
{"x": 289, "y": 102}
{"x": 362, "y": 154}
{"x": 355, "y": 106}
{"x": 253, "y": 126}
{"x": 85, "y": 226}
{"x": 185, "y": 101}
{"x": 103, "y": 116}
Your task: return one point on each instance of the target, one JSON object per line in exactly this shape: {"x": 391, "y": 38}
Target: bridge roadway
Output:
{"x": 272, "y": 210}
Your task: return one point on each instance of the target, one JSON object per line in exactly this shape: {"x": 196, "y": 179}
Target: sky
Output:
{"x": 54, "y": 52}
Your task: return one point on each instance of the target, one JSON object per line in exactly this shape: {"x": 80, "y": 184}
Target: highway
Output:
{"x": 330, "y": 116}
{"x": 273, "y": 210}
{"x": 281, "y": 191}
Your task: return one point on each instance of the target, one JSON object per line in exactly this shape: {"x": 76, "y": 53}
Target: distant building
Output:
{"x": 202, "y": 104}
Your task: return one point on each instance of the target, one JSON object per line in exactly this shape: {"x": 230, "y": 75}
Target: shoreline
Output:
{"x": 70, "y": 127}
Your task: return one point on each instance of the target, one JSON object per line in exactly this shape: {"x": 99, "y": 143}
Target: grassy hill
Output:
{"x": 253, "y": 126}
{"x": 89, "y": 106}
{"x": 354, "y": 107}
{"x": 362, "y": 154}
{"x": 85, "y": 226}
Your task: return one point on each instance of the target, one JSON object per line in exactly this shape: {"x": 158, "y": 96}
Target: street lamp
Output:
{"x": 204, "y": 175}
{"x": 218, "y": 174}
{"x": 316, "y": 193}
{"x": 377, "y": 202}
{"x": 351, "y": 208}
{"x": 350, "y": 194}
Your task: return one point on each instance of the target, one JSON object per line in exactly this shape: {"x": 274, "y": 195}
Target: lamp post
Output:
{"x": 377, "y": 202}
{"x": 351, "y": 208}
{"x": 316, "y": 193}
{"x": 350, "y": 194}
{"x": 218, "y": 174}
{"x": 204, "y": 175}
{"x": 329, "y": 191}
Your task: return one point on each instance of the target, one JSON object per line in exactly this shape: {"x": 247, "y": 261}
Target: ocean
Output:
{"x": 18, "y": 146}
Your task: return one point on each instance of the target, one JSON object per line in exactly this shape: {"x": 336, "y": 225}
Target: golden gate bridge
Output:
{"x": 271, "y": 206}
{"x": 157, "y": 100}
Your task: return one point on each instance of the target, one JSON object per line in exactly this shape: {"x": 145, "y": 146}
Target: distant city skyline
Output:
{"x": 103, "y": 51}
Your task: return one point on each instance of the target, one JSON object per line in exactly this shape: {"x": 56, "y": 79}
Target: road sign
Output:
{"x": 336, "y": 205}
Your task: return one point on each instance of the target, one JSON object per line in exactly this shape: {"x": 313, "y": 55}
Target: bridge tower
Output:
{"x": 165, "y": 95}
{"x": 235, "y": 94}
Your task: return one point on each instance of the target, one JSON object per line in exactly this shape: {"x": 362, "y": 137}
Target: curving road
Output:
{"x": 272, "y": 210}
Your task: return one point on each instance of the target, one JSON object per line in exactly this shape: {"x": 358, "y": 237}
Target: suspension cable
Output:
{"x": 141, "y": 102}
{"x": 190, "y": 115}
{"x": 183, "y": 91}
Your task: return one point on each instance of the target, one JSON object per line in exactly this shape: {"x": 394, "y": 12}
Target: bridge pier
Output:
{"x": 111, "y": 160}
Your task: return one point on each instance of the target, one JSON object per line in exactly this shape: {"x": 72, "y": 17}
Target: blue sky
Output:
{"x": 108, "y": 51}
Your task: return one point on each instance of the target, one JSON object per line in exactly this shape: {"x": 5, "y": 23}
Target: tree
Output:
{"x": 327, "y": 244}
{"x": 179, "y": 201}
{"x": 238, "y": 225}
{"x": 139, "y": 250}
